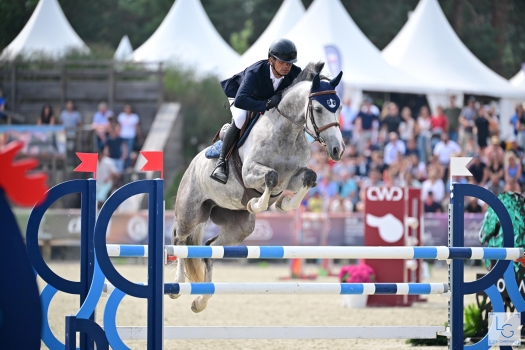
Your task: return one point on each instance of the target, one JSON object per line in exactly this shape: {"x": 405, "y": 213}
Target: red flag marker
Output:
{"x": 154, "y": 162}
{"x": 89, "y": 162}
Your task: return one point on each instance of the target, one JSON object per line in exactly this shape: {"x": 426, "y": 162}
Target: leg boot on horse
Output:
{"x": 220, "y": 173}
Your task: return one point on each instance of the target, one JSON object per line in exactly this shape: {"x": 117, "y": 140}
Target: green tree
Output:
{"x": 239, "y": 40}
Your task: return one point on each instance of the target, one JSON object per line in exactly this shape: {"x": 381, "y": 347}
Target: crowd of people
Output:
{"x": 394, "y": 148}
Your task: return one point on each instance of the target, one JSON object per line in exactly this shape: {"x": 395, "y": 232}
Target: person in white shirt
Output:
{"x": 348, "y": 115}
{"x": 107, "y": 172}
{"x": 129, "y": 129}
{"x": 445, "y": 149}
{"x": 435, "y": 185}
{"x": 392, "y": 148}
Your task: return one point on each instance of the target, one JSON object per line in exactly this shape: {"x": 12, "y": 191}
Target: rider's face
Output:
{"x": 282, "y": 68}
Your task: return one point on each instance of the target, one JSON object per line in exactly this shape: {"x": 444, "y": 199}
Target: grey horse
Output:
{"x": 275, "y": 157}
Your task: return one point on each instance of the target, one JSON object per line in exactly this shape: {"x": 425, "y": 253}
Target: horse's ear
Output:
{"x": 316, "y": 82}
{"x": 334, "y": 82}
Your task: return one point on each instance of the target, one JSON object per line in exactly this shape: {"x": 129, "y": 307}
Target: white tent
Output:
{"x": 124, "y": 49}
{"x": 428, "y": 48}
{"x": 518, "y": 80}
{"x": 47, "y": 33}
{"x": 286, "y": 17}
{"x": 186, "y": 37}
{"x": 326, "y": 32}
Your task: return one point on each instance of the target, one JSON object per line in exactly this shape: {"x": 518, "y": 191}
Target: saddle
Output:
{"x": 233, "y": 153}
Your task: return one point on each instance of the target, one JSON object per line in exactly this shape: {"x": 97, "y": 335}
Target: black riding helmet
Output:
{"x": 283, "y": 50}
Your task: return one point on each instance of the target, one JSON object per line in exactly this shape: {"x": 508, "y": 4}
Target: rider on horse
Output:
{"x": 258, "y": 88}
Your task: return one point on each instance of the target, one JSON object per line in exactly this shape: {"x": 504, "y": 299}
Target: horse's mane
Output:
{"x": 307, "y": 74}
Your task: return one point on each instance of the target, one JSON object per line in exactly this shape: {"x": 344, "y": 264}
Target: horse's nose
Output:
{"x": 335, "y": 151}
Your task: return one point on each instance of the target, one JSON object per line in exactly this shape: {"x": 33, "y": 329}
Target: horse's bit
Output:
{"x": 309, "y": 114}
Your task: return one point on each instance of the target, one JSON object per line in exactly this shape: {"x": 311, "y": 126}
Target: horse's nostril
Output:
{"x": 335, "y": 151}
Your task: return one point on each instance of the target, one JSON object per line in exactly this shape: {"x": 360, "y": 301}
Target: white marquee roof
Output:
{"x": 47, "y": 32}
{"x": 326, "y": 22}
{"x": 428, "y": 48}
{"x": 187, "y": 37}
{"x": 518, "y": 80}
{"x": 124, "y": 49}
{"x": 286, "y": 17}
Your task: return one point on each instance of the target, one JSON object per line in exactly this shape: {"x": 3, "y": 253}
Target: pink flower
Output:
{"x": 361, "y": 273}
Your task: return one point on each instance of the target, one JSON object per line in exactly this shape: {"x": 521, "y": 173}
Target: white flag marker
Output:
{"x": 458, "y": 166}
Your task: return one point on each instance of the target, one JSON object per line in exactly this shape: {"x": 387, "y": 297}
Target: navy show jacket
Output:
{"x": 252, "y": 87}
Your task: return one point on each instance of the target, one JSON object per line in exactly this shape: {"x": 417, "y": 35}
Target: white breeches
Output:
{"x": 239, "y": 116}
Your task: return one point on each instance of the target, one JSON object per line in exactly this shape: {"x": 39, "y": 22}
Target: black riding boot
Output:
{"x": 220, "y": 173}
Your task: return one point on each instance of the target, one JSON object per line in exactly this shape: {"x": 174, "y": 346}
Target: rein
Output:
{"x": 309, "y": 114}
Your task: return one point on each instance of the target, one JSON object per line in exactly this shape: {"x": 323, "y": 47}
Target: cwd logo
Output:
{"x": 375, "y": 193}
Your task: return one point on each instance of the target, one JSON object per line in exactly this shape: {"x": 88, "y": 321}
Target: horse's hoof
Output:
{"x": 271, "y": 178}
{"x": 249, "y": 207}
{"x": 174, "y": 296}
{"x": 195, "y": 309}
{"x": 309, "y": 178}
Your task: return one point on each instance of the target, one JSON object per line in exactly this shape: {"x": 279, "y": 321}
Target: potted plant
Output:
{"x": 361, "y": 273}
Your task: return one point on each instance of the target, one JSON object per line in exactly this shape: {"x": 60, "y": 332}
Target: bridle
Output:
{"x": 316, "y": 134}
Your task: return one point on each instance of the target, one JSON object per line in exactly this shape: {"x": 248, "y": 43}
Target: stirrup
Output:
{"x": 216, "y": 174}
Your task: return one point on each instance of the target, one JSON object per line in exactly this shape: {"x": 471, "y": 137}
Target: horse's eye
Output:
{"x": 318, "y": 109}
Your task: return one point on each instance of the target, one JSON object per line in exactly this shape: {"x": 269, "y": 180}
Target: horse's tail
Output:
{"x": 195, "y": 267}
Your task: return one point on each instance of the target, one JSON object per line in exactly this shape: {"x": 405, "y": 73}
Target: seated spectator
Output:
{"x": 46, "y": 116}
{"x": 71, "y": 119}
{"x": 471, "y": 148}
{"x": 315, "y": 203}
{"x": 482, "y": 122}
{"x": 430, "y": 205}
{"x": 406, "y": 179}
{"x": 107, "y": 173}
{"x": 494, "y": 167}
{"x": 512, "y": 186}
{"x": 495, "y": 184}
{"x": 435, "y": 185}
{"x": 515, "y": 117}
{"x": 477, "y": 168}
{"x": 376, "y": 161}
{"x": 346, "y": 165}
{"x": 339, "y": 204}
{"x": 101, "y": 123}
{"x": 117, "y": 149}
{"x": 348, "y": 188}
{"x": 512, "y": 169}
{"x": 393, "y": 148}
{"x": 512, "y": 146}
{"x": 494, "y": 147}
{"x": 417, "y": 168}
{"x": 369, "y": 123}
{"x": 407, "y": 126}
{"x": 473, "y": 206}
{"x": 411, "y": 147}
{"x": 392, "y": 120}
{"x": 434, "y": 164}
{"x": 130, "y": 129}
{"x": 494, "y": 129}
{"x": 373, "y": 179}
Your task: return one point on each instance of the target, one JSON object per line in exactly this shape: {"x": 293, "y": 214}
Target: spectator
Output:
{"x": 477, "y": 168}
{"x": 417, "y": 168}
{"x": 348, "y": 187}
{"x": 520, "y": 129}
{"x": 348, "y": 115}
{"x": 445, "y": 149}
{"x": 493, "y": 121}
{"x": 71, "y": 119}
{"x": 430, "y": 205}
{"x": 495, "y": 184}
{"x": 376, "y": 161}
{"x": 339, "y": 204}
{"x": 101, "y": 123}
{"x": 392, "y": 120}
{"x": 315, "y": 203}
{"x": 46, "y": 116}
{"x": 368, "y": 122}
{"x": 117, "y": 149}
{"x": 106, "y": 174}
{"x": 513, "y": 169}
{"x": 423, "y": 133}
{"x": 130, "y": 129}
{"x": 439, "y": 122}
{"x": 466, "y": 121}
{"x": 494, "y": 148}
{"x": 2, "y": 105}
{"x": 435, "y": 185}
{"x": 407, "y": 126}
{"x": 407, "y": 179}
{"x": 452, "y": 112}
{"x": 411, "y": 147}
{"x": 393, "y": 148}
{"x": 494, "y": 167}
{"x": 512, "y": 186}
{"x": 482, "y": 122}
{"x": 471, "y": 149}
{"x": 516, "y": 117}
{"x": 515, "y": 148}
{"x": 473, "y": 205}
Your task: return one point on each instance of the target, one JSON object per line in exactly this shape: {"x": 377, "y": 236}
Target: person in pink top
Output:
{"x": 439, "y": 122}
{"x": 129, "y": 129}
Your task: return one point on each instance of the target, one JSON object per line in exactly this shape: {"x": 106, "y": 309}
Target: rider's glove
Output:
{"x": 273, "y": 102}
